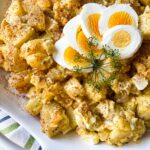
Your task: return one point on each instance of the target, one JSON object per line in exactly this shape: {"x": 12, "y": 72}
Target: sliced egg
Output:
{"x": 70, "y": 32}
{"x": 125, "y": 38}
{"x": 77, "y": 39}
{"x": 90, "y": 16}
{"x": 117, "y": 14}
{"x": 68, "y": 57}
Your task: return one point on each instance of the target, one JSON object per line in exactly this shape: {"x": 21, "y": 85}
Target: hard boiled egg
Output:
{"x": 68, "y": 57}
{"x": 90, "y": 15}
{"x": 77, "y": 39}
{"x": 125, "y": 38}
{"x": 117, "y": 14}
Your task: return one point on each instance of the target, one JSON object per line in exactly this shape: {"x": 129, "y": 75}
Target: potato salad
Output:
{"x": 83, "y": 65}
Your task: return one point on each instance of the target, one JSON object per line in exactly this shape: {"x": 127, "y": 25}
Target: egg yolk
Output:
{"x": 92, "y": 23}
{"x": 72, "y": 57}
{"x": 121, "y": 39}
{"x": 83, "y": 43}
{"x": 120, "y": 18}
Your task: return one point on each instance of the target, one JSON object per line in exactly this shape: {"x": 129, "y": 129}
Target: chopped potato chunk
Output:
{"x": 106, "y": 108}
{"x": 37, "y": 53}
{"x": 12, "y": 61}
{"x": 145, "y": 2}
{"x": 20, "y": 80}
{"x": 39, "y": 61}
{"x": 16, "y": 8}
{"x": 44, "y": 4}
{"x": 54, "y": 119}
{"x": 56, "y": 74}
{"x": 104, "y": 134}
{"x": 35, "y": 18}
{"x": 130, "y": 104}
{"x": 142, "y": 63}
{"x": 95, "y": 95}
{"x": 89, "y": 136}
{"x": 34, "y": 105}
{"x": 62, "y": 10}
{"x": 120, "y": 136}
{"x": 143, "y": 107}
{"x": 144, "y": 23}
{"x": 16, "y": 35}
{"x": 86, "y": 119}
{"x": 74, "y": 89}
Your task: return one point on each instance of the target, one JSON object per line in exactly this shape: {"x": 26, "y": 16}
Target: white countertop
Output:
{"x": 1, "y": 148}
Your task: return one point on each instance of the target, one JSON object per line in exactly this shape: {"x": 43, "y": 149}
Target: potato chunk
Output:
{"x": 94, "y": 95}
{"x": 44, "y": 4}
{"x": 120, "y": 124}
{"x": 62, "y": 10}
{"x": 144, "y": 23}
{"x": 39, "y": 61}
{"x": 145, "y": 2}
{"x": 37, "y": 53}
{"x": 54, "y": 119}
{"x": 143, "y": 108}
{"x": 74, "y": 89}
{"x": 15, "y": 35}
{"x": 20, "y": 81}
{"x": 36, "y": 18}
{"x": 90, "y": 137}
{"x": 37, "y": 46}
{"x": 121, "y": 136}
{"x": 16, "y": 8}
{"x": 106, "y": 108}
{"x": 12, "y": 61}
{"x": 34, "y": 105}
{"x": 86, "y": 119}
{"x": 142, "y": 63}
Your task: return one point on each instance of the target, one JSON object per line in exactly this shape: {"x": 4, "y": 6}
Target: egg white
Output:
{"x": 87, "y": 10}
{"x": 132, "y": 48}
{"x": 106, "y": 14}
{"x": 70, "y": 32}
{"x": 58, "y": 55}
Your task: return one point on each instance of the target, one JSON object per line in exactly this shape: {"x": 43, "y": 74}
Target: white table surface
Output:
{"x": 1, "y": 148}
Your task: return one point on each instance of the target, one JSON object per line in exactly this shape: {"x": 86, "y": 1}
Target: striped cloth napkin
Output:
{"x": 16, "y": 133}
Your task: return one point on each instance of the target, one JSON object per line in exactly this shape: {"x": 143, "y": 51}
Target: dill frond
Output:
{"x": 77, "y": 58}
{"x": 92, "y": 41}
{"x": 105, "y": 70}
{"x": 77, "y": 69}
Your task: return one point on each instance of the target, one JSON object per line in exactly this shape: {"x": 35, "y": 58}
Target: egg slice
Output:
{"x": 125, "y": 38}
{"x": 90, "y": 16}
{"x": 68, "y": 57}
{"x": 77, "y": 39}
{"x": 117, "y": 14}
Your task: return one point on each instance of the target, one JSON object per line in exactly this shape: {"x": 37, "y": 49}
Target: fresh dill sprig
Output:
{"x": 114, "y": 55}
{"x": 77, "y": 57}
{"x": 92, "y": 41}
{"x": 105, "y": 68}
{"x": 77, "y": 69}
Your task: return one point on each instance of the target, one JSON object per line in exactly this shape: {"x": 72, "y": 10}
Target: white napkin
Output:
{"x": 16, "y": 133}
